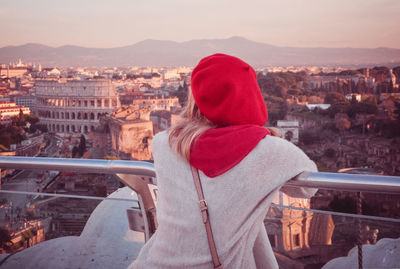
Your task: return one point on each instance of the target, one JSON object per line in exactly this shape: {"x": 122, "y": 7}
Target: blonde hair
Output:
{"x": 190, "y": 126}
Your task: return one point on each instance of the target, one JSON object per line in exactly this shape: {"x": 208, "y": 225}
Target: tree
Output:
{"x": 362, "y": 108}
{"x": 75, "y": 151}
{"x": 342, "y": 122}
{"x": 372, "y": 100}
{"x": 330, "y": 152}
{"x": 313, "y": 99}
{"x": 4, "y": 237}
{"x": 21, "y": 115}
{"x": 32, "y": 119}
{"x": 308, "y": 138}
{"x": 397, "y": 111}
{"x": 338, "y": 108}
{"x": 295, "y": 92}
{"x": 5, "y": 139}
{"x": 181, "y": 93}
{"x": 397, "y": 116}
{"x": 334, "y": 98}
{"x": 42, "y": 128}
{"x": 280, "y": 82}
{"x": 396, "y": 72}
{"x": 82, "y": 145}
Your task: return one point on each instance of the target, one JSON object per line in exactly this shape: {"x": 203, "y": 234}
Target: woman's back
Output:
{"x": 238, "y": 201}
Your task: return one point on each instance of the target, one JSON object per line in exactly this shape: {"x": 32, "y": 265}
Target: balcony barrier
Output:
{"x": 128, "y": 172}
{"x": 321, "y": 180}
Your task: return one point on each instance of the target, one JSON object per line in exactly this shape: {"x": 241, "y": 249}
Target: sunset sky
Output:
{"x": 297, "y": 23}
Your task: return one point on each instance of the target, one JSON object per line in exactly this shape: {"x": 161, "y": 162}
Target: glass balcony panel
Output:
{"x": 309, "y": 235}
{"x": 36, "y": 206}
{"x": 304, "y": 233}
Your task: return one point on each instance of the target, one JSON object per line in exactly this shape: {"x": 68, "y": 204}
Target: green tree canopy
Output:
{"x": 334, "y": 98}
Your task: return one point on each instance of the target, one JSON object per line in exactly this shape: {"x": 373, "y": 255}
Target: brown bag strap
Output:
{"x": 206, "y": 220}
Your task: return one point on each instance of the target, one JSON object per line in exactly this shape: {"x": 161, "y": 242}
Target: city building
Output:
{"x": 74, "y": 106}
{"x": 156, "y": 103}
{"x": 9, "y": 109}
{"x": 126, "y": 134}
{"x": 162, "y": 119}
{"x": 320, "y": 106}
{"x": 289, "y": 130}
{"x": 25, "y": 100}
{"x": 12, "y": 72}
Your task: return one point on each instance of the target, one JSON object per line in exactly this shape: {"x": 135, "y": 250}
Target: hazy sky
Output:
{"x": 114, "y": 23}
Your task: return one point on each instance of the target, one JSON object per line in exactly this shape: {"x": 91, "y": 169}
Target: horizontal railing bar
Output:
{"x": 322, "y": 180}
{"x": 69, "y": 196}
{"x": 347, "y": 182}
{"x": 326, "y": 212}
{"x": 79, "y": 165}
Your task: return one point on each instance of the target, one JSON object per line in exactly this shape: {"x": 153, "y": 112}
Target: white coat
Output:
{"x": 238, "y": 201}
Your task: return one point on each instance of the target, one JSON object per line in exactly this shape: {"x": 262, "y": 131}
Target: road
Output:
{"x": 15, "y": 208}
{"x": 15, "y": 204}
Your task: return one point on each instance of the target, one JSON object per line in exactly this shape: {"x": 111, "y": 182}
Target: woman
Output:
{"x": 240, "y": 164}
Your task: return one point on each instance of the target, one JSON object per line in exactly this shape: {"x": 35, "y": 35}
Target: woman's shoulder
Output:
{"x": 160, "y": 145}
{"x": 160, "y": 138}
{"x": 281, "y": 151}
{"x": 275, "y": 143}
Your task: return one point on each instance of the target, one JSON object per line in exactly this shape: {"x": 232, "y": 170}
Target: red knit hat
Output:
{"x": 226, "y": 91}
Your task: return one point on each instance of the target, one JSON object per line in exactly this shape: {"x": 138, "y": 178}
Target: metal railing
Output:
{"x": 321, "y": 180}
{"x": 127, "y": 171}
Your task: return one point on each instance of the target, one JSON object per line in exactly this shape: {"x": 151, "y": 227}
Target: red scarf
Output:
{"x": 218, "y": 150}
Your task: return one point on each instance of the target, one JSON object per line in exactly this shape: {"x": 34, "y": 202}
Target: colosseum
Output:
{"x": 74, "y": 106}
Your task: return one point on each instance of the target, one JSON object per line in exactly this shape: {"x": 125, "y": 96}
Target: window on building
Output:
{"x": 296, "y": 240}
{"x": 92, "y": 103}
{"x": 92, "y": 116}
{"x": 85, "y": 103}
{"x": 106, "y": 103}
{"x": 272, "y": 240}
{"x": 98, "y": 102}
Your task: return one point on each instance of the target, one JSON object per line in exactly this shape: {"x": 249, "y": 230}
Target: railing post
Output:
{"x": 359, "y": 222}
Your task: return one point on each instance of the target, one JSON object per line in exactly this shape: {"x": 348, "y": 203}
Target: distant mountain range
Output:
{"x": 169, "y": 53}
